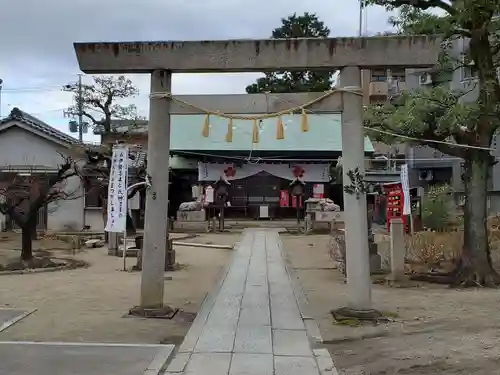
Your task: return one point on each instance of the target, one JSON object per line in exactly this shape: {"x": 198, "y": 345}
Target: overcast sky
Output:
{"x": 36, "y": 37}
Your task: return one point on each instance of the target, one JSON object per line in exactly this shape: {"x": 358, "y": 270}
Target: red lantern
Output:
{"x": 298, "y": 171}
{"x": 230, "y": 171}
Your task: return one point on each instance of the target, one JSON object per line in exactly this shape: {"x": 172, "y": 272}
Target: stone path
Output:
{"x": 252, "y": 323}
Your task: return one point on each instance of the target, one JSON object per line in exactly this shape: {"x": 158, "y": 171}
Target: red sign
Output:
{"x": 294, "y": 201}
{"x": 318, "y": 191}
{"x": 284, "y": 198}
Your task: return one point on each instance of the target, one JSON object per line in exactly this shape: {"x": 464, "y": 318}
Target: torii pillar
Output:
{"x": 156, "y": 217}
{"x": 355, "y": 208}
{"x": 162, "y": 58}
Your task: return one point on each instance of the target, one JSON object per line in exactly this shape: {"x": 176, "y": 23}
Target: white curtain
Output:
{"x": 312, "y": 172}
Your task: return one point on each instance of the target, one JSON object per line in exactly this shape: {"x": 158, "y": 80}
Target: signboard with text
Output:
{"x": 117, "y": 191}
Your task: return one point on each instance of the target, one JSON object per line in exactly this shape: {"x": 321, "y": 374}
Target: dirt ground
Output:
{"x": 438, "y": 330}
{"x": 88, "y": 305}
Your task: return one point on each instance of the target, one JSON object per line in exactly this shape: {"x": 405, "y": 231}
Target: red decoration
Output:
{"x": 284, "y": 198}
{"x": 298, "y": 171}
{"x": 395, "y": 202}
{"x": 230, "y": 171}
{"x": 294, "y": 201}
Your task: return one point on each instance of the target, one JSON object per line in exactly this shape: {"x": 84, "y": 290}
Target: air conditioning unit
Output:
{"x": 425, "y": 175}
{"x": 425, "y": 79}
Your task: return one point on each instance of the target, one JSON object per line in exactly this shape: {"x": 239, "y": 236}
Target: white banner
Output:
{"x": 117, "y": 191}
{"x": 309, "y": 172}
{"x": 405, "y": 184}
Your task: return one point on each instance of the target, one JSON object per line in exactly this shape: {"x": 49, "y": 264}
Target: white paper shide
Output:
{"x": 117, "y": 191}
{"x": 405, "y": 184}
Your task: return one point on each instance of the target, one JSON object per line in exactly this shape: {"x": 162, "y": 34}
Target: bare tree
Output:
{"x": 102, "y": 103}
{"x": 99, "y": 101}
{"x": 23, "y": 195}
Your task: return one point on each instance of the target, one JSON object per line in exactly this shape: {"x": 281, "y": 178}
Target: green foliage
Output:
{"x": 429, "y": 114}
{"x": 436, "y": 113}
{"x": 412, "y": 21}
{"x": 307, "y": 25}
{"x": 436, "y": 206}
{"x": 335, "y": 173}
{"x": 357, "y": 186}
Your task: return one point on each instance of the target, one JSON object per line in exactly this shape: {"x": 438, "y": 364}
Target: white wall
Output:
{"x": 68, "y": 214}
{"x": 21, "y": 148}
{"x": 93, "y": 217}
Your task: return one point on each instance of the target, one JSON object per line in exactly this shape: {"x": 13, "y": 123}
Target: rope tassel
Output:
{"x": 206, "y": 127}
{"x": 229, "y": 134}
{"x": 255, "y": 132}
{"x": 304, "y": 124}
{"x": 280, "y": 129}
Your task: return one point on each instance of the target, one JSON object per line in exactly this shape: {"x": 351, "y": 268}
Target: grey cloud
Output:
{"x": 36, "y": 36}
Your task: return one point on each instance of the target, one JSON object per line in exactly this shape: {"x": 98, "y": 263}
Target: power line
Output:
{"x": 38, "y": 113}
{"x": 258, "y": 159}
{"x": 32, "y": 89}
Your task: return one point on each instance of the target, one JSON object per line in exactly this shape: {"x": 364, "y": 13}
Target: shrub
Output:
{"x": 436, "y": 205}
{"x": 432, "y": 247}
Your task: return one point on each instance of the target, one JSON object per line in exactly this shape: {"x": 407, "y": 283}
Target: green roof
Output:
{"x": 324, "y": 134}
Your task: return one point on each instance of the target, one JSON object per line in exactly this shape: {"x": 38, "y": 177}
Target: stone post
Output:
{"x": 113, "y": 243}
{"x": 398, "y": 250}
{"x": 355, "y": 213}
{"x": 156, "y": 221}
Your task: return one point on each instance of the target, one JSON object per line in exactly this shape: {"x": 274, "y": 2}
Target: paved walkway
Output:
{"x": 251, "y": 325}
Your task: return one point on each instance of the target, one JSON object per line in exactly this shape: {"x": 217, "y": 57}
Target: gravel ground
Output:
{"x": 87, "y": 305}
{"x": 438, "y": 330}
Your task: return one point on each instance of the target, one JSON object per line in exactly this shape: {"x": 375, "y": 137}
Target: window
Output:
{"x": 379, "y": 76}
{"x": 398, "y": 75}
{"x": 468, "y": 71}
{"x": 94, "y": 193}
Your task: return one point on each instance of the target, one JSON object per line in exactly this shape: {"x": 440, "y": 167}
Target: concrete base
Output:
{"x": 165, "y": 312}
{"x": 347, "y": 313}
{"x": 40, "y": 358}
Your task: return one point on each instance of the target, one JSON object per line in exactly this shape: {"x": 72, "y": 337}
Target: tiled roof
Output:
{"x": 186, "y": 134}
{"x": 17, "y": 115}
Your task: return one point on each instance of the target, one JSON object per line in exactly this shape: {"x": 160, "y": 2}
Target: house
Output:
{"x": 30, "y": 146}
{"x": 259, "y": 171}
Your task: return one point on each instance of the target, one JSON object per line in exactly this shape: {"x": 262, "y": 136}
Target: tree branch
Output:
{"x": 419, "y": 4}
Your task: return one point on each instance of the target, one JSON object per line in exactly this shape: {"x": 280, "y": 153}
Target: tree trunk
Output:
{"x": 34, "y": 234}
{"x": 474, "y": 267}
{"x": 27, "y": 240}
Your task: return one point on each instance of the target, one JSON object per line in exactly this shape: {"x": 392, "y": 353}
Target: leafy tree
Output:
{"x": 307, "y": 25}
{"x": 438, "y": 114}
{"x": 100, "y": 103}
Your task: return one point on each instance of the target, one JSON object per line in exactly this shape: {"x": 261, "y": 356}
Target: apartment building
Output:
{"x": 378, "y": 87}
{"x": 428, "y": 166}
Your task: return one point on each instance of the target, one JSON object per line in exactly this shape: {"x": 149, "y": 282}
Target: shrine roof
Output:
{"x": 186, "y": 134}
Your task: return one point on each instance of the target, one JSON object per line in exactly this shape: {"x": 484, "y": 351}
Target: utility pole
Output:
{"x": 360, "y": 32}
{"x": 80, "y": 109}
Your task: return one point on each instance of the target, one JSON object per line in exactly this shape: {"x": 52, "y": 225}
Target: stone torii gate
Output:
{"x": 161, "y": 59}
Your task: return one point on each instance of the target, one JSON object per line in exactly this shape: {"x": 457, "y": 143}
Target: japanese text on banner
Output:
{"x": 405, "y": 184}
{"x": 117, "y": 191}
